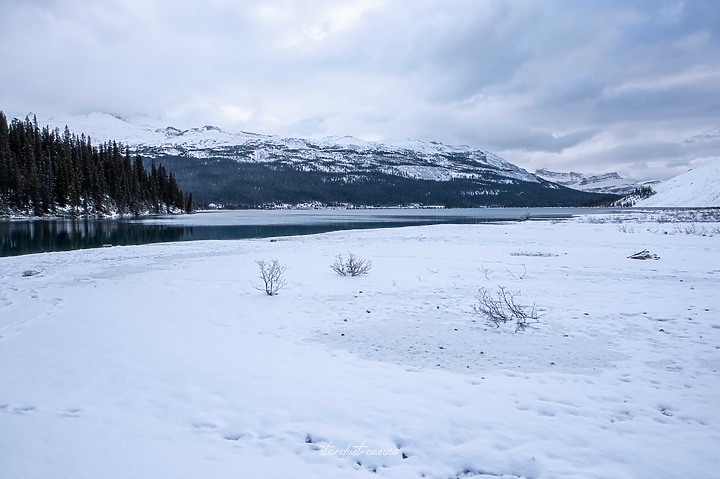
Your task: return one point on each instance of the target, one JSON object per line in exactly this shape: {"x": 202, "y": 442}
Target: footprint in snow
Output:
{"x": 71, "y": 412}
{"x": 204, "y": 426}
{"x": 235, "y": 436}
{"x": 621, "y": 416}
{"x": 24, "y": 410}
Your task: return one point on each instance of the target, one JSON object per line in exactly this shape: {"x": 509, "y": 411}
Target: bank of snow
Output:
{"x": 165, "y": 361}
{"x": 699, "y": 187}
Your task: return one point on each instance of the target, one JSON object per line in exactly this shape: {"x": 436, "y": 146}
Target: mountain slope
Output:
{"x": 699, "y": 187}
{"x": 252, "y": 169}
{"x": 600, "y": 183}
{"x": 414, "y": 159}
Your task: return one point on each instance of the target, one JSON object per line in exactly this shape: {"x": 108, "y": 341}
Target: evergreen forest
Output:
{"x": 45, "y": 172}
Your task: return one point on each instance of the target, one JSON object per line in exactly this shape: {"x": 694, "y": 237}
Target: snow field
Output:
{"x": 694, "y": 188}
{"x": 165, "y": 361}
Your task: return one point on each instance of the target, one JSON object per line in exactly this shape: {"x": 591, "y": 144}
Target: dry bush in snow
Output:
{"x": 626, "y": 229}
{"x": 272, "y": 274}
{"x": 350, "y": 266}
{"x": 503, "y": 308}
{"x": 534, "y": 254}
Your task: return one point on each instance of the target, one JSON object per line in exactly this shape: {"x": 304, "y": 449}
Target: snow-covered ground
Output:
{"x": 699, "y": 187}
{"x": 164, "y": 361}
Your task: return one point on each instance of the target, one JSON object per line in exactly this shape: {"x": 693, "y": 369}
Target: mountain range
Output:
{"x": 249, "y": 169}
{"x": 597, "y": 183}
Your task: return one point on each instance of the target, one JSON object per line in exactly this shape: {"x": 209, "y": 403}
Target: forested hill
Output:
{"x": 254, "y": 170}
{"x": 45, "y": 172}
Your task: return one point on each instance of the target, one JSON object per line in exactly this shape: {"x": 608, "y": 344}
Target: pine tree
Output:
{"x": 7, "y": 172}
{"x": 40, "y": 169}
{"x": 154, "y": 187}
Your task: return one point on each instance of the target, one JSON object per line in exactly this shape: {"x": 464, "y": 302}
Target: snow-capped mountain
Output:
{"x": 699, "y": 187}
{"x": 414, "y": 159}
{"x": 250, "y": 168}
{"x": 599, "y": 183}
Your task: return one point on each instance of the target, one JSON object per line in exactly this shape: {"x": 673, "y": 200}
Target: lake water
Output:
{"x": 43, "y": 235}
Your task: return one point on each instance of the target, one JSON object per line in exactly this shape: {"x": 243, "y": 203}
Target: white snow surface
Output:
{"x": 699, "y": 187}
{"x": 164, "y": 361}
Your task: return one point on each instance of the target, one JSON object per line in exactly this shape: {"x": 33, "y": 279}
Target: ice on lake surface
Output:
{"x": 41, "y": 235}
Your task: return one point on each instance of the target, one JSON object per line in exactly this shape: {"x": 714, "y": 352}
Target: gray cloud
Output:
{"x": 589, "y": 86}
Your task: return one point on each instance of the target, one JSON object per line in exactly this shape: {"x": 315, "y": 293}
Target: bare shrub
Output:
{"x": 272, "y": 274}
{"x": 350, "y": 266}
{"x": 485, "y": 271}
{"x": 503, "y": 308}
{"x": 513, "y": 275}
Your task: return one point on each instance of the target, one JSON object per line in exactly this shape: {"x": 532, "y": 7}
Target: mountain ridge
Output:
{"x": 209, "y": 140}
{"x": 609, "y": 182}
{"x": 250, "y": 168}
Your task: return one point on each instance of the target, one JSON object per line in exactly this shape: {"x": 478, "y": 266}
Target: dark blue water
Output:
{"x": 43, "y": 235}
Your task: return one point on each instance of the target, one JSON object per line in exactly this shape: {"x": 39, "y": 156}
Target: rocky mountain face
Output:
{"x": 611, "y": 183}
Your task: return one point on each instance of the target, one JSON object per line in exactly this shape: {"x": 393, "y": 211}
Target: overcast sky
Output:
{"x": 584, "y": 85}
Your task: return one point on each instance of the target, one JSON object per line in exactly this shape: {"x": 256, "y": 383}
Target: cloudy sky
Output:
{"x": 595, "y": 85}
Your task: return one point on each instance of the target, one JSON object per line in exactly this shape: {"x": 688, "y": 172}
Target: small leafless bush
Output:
{"x": 503, "y": 308}
{"x": 694, "y": 230}
{"x": 351, "y": 265}
{"x": 486, "y": 271}
{"x": 700, "y": 215}
{"x": 272, "y": 274}
{"x": 522, "y": 276}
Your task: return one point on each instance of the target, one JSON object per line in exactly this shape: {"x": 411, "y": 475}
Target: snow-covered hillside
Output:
{"x": 163, "y": 361}
{"x": 699, "y": 187}
{"x": 410, "y": 158}
{"x": 251, "y": 169}
{"x": 598, "y": 183}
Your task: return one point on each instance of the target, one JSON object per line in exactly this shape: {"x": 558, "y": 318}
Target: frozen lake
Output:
{"x": 41, "y": 235}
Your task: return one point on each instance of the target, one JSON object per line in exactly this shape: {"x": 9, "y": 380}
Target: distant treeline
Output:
{"x": 44, "y": 172}
{"x": 247, "y": 184}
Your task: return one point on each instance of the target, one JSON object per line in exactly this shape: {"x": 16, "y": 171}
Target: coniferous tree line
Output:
{"x": 245, "y": 184}
{"x": 45, "y": 172}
